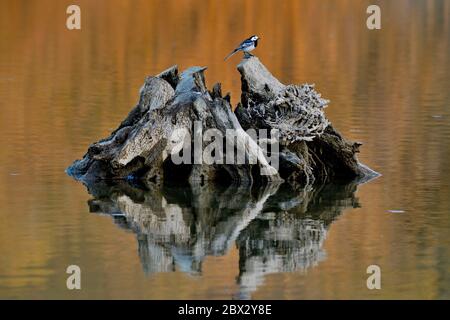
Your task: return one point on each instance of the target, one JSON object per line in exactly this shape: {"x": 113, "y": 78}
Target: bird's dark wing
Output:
{"x": 245, "y": 44}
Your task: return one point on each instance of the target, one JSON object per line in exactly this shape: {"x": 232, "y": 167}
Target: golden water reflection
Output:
{"x": 61, "y": 90}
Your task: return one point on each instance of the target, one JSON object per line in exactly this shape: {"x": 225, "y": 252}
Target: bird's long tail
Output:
{"x": 232, "y": 53}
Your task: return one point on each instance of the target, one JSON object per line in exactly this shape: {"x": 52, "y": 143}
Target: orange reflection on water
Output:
{"x": 61, "y": 90}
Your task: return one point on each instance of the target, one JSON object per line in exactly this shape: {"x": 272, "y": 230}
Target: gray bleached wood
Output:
{"x": 310, "y": 147}
{"x": 171, "y": 103}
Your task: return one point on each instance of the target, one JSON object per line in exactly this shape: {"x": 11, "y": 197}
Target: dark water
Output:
{"x": 61, "y": 90}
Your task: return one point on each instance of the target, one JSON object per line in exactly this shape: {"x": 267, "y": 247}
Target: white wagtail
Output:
{"x": 246, "y": 46}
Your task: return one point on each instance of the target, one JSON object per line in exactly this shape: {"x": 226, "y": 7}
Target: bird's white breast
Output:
{"x": 249, "y": 48}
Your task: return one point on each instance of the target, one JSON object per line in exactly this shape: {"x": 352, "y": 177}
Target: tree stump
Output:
{"x": 175, "y": 110}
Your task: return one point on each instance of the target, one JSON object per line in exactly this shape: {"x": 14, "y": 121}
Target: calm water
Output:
{"x": 61, "y": 90}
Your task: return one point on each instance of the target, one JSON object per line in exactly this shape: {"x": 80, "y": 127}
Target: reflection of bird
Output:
{"x": 246, "y": 46}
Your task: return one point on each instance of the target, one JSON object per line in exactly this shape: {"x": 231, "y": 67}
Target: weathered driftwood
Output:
{"x": 310, "y": 148}
{"x": 168, "y": 113}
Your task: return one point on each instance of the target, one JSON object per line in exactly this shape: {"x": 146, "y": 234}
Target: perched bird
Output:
{"x": 246, "y": 46}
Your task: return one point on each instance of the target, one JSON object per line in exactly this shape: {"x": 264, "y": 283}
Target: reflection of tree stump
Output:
{"x": 170, "y": 105}
{"x": 275, "y": 228}
{"x": 290, "y": 233}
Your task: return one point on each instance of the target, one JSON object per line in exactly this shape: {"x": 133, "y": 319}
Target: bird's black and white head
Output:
{"x": 254, "y": 38}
